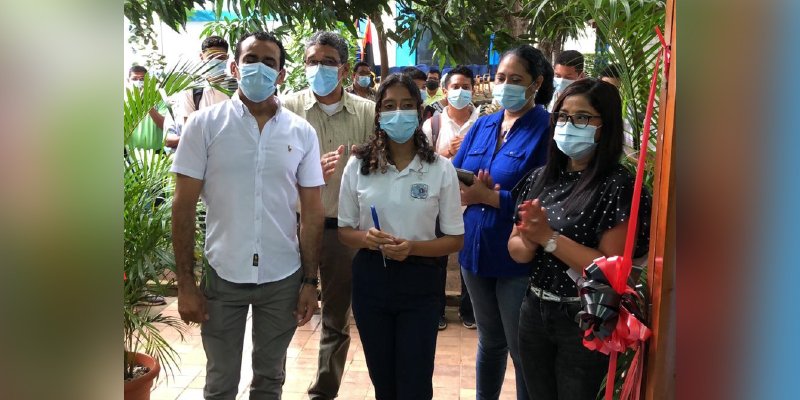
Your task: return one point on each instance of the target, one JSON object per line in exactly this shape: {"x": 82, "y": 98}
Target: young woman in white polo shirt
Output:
{"x": 395, "y": 284}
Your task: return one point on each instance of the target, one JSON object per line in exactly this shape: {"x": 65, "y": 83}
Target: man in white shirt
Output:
{"x": 456, "y": 119}
{"x": 251, "y": 160}
{"x": 341, "y": 120}
{"x": 445, "y": 131}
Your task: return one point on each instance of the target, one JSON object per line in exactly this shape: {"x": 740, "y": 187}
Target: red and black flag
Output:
{"x": 366, "y": 47}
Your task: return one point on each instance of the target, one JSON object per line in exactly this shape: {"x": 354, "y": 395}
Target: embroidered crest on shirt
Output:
{"x": 419, "y": 190}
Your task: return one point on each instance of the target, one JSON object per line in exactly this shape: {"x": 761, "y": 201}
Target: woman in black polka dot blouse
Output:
{"x": 570, "y": 211}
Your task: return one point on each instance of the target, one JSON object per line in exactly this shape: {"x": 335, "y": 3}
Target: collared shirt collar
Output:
{"x": 416, "y": 165}
{"x": 496, "y": 118}
{"x": 309, "y": 99}
{"x": 241, "y": 108}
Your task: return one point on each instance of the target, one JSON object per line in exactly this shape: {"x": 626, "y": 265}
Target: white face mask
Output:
{"x": 459, "y": 98}
{"x": 137, "y": 84}
{"x": 560, "y": 84}
{"x": 576, "y": 143}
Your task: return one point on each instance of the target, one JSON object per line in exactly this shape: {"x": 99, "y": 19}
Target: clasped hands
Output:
{"x": 393, "y": 248}
{"x": 481, "y": 190}
{"x": 533, "y": 225}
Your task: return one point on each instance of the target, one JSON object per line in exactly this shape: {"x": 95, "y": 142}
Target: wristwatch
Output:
{"x": 551, "y": 244}
{"x": 311, "y": 281}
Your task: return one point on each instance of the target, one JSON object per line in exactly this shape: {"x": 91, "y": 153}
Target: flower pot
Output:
{"x": 139, "y": 388}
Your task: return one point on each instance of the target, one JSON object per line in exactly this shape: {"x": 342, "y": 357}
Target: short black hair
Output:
{"x": 332, "y": 39}
{"x": 610, "y": 71}
{"x": 214, "y": 41}
{"x": 361, "y": 64}
{"x": 261, "y": 35}
{"x": 571, "y": 58}
{"x": 435, "y": 71}
{"x": 460, "y": 70}
{"x": 137, "y": 68}
{"x": 415, "y": 73}
{"x": 536, "y": 65}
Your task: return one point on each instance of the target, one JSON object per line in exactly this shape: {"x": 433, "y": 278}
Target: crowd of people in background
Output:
{"x": 356, "y": 195}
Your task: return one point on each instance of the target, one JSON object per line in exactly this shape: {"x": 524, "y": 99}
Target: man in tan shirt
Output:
{"x": 341, "y": 120}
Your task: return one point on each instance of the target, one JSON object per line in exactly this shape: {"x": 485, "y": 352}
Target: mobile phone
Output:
{"x": 467, "y": 177}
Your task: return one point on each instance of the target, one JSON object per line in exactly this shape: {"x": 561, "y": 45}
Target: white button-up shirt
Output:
{"x": 407, "y": 201}
{"x": 250, "y": 181}
{"x": 448, "y": 129}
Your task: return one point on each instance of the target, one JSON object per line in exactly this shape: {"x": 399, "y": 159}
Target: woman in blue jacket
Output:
{"x": 500, "y": 149}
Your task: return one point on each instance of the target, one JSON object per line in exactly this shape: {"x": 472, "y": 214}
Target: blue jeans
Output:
{"x": 496, "y": 303}
{"x": 555, "y": 363}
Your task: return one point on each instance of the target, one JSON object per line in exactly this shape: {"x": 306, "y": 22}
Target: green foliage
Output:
{"x": 459, "y": 28}
{"x": 553, "y": 22}
{"x": 146, "y": 220}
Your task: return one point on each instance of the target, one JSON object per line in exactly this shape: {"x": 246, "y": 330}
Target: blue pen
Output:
{"x": 378, "y": 227}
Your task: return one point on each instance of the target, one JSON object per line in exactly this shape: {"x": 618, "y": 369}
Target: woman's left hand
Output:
{"x": 481, "y": 190}
{"x": 533, "y": 225}
{"x": 398, "y": 251}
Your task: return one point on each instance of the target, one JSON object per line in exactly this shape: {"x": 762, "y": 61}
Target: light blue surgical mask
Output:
{"x": 400, "y": 125}
{"x": 364, "y": 81}
{"x": 559, "y": 84}
{"x": 424, "y": 94}
{"x": 322, "y": 79}
{"x": 257, "y": 81}
{"x": 576, "y": 143}
{"x": 511, "y": 97}
{"x": 459, "y": 98}
{"x": 216, "y": 67}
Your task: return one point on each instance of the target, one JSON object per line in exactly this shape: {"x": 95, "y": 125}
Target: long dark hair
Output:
{"x": 604, "y": 98}
{"x": 536, "y": 65}
{"x": 374, "y": 154}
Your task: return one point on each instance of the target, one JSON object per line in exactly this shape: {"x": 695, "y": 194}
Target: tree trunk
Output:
{"x": 376, "y": 19}
{"x": 518, "y": 24}
{"x": 546, "y": 47}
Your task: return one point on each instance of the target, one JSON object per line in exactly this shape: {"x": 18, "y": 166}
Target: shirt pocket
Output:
{"x": 510, "y": 161}
{"x": 473, "y": 159}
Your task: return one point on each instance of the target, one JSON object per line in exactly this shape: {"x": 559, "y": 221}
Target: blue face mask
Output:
{"x": 576, "y": 143}
{"x": 364, "y": 81}
{"x": 400, "y": 125}
{"x": 323, "y": 79}
{"x": 257, "y": 81}
{"x": 559, "y": 84}
{"x": 424, "y": 94}
{"x": 459, "y": 98}
{"x": 216, "y": 67}
{"x": 511, "y": 97}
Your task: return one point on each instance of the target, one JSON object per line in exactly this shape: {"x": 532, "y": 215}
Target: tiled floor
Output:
{"x": 454, "y": 376}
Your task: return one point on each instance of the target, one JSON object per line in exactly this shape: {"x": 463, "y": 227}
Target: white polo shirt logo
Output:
{"x": 419, "y": 190}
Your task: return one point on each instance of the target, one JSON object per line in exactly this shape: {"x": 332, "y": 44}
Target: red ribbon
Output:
{"x": 629, "y": 332}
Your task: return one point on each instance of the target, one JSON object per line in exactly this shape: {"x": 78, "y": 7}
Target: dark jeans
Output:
{"x": 396, "y": 311}
{"x": 465, "y": 305}
{"x": 555, "y": 363}
{"x": 442, "y": 284}
{"x": 497, "y": 303}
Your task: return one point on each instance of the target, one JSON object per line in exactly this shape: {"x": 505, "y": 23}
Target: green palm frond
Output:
{"x": 148, "y": 188}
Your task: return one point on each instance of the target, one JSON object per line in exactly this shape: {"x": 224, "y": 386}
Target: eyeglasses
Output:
{"x": 578, "y": 120}
{"x": 327, "y": 63}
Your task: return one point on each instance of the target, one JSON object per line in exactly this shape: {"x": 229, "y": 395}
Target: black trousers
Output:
{"x": 396, "y": 309}
{"x": 555, "y": 363}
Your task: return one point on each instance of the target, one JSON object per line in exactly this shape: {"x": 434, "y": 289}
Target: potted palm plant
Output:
{"x": 147, "y": 248}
